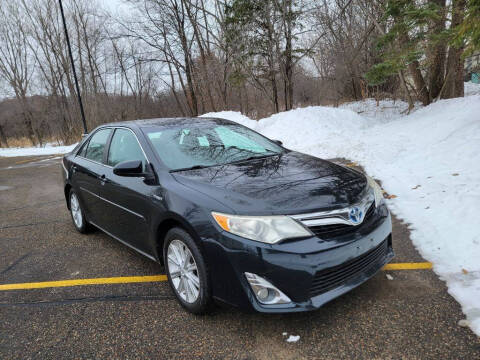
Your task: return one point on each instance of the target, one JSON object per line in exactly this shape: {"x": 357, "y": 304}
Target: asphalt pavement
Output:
{"x": 409, "y": 317}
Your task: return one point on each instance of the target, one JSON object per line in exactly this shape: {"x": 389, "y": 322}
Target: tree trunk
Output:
{"x": 3, "y": 138}
{"x": 29, "y": 128}
{"x": 192, "y": 96}
{"x": 288, "y": 56}
{"x": 273, "y": 81}
{"x": 454, "y": 82}
{"x": 174, "y": 91}
{"x": 405, "y": 88}
{"x": 205, "y": 79}
{"x": 271, "y": 59}
{"x": 436, "y": 52}
{"x": 414, "y": 67}
{"x": 419, "y": 81}
{"x": 27, "y": 115}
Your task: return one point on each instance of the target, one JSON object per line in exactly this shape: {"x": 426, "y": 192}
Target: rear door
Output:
{"x": 88, "y": 168}
{"x": 129, "y": 205}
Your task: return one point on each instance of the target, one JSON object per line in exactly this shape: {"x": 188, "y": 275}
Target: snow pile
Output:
{"x": 36, "y": 151}
{"x": 471, "y": 89}
{"x": 385, "y": 111}
{"x": 305, "y": 127}
{"x": 233, "y": 116}
{"x": 428, "y": 159}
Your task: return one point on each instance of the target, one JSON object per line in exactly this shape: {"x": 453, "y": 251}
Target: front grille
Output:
{"x": 333, "y": 230}
{"x": 335, "y": 276}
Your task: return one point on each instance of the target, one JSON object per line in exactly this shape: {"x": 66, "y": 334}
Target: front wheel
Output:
{"x": 186, "y": 271}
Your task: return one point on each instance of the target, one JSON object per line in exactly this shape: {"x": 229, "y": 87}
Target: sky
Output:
{"x": 115, "y": 6}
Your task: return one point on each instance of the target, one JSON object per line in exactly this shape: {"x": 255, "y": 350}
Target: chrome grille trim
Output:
{"x": 337, "y": 216}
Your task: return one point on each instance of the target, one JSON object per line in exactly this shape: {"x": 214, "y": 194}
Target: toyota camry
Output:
{"x": 233, "y": 216}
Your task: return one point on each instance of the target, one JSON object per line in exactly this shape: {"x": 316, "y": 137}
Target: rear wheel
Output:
{"x": 78, "y": 216}
{"x": 186, "y": 271}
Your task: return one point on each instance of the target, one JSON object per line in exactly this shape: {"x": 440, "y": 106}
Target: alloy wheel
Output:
{"x": 183, "y": 271}
{"x": 76, "y": 211}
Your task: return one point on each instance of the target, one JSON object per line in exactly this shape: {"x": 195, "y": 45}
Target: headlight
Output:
{"x": 377, "y": 190}
{"x": 267, "y": 229}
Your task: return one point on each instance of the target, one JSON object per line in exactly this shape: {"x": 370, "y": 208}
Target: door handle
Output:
{"x": 74, "y": 169}
{"x": 103, "y": 179}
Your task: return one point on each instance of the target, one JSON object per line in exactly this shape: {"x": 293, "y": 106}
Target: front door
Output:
{"x": 129, "y": 206}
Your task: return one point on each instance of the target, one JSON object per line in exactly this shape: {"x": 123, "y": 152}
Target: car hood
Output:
{"x": 288, "y": 183}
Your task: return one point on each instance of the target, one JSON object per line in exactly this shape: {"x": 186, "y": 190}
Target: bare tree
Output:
{"x": 16, "y": 64}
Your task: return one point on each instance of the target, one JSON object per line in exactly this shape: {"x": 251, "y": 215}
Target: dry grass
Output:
{"x": 25, "y": 142}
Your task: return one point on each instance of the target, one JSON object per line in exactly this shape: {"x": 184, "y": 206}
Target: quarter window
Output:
{"x": 125, "y": 147}
{"x": 83, "y": 150}
{"x": 96, "y": 145}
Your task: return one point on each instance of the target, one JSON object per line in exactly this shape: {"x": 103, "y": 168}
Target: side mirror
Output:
{"x": 278, "y": 142}
{"x": 129, "y": 168}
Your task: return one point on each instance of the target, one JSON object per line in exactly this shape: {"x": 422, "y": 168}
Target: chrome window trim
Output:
{"x": 337, "y": 216}
{"x": 114, "y": 128}
{"x": 88, "y": 139}
{"x": 111, "y": 202}
{"x": 136, "y": 138}
{"x": 95, "y": 162}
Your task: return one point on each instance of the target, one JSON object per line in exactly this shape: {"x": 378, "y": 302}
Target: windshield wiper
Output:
{"x": 194, "y": 167}
{"x": 253, "y": 157}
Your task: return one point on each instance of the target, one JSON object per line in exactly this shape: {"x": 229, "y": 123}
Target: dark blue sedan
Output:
{"x": 233, "y": 216}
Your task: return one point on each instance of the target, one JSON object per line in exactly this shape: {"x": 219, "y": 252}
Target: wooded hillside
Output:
{"x": 165, "y": 58}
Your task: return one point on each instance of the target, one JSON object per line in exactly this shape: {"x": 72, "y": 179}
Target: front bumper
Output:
{"x": 310, "y": 272}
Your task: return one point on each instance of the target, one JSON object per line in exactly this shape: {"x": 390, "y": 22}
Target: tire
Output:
{"x": 78, "y": 215}
{"x": 184, "y": 277}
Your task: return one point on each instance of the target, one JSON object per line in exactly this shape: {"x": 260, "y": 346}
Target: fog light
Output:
{"x": 265, "y": 292}
{"x": 262, "y": 294}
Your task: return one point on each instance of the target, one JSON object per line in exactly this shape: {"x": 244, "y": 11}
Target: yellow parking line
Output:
{"x": 408, "y": 266}
{"x": 77, "y": 282}
{"x": 157, "y": 278}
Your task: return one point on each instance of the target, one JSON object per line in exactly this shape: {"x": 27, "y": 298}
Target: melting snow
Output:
{"x": 293, "y": 338}
{"x": 48, "y": 149}
{"x": 429, "y": 159}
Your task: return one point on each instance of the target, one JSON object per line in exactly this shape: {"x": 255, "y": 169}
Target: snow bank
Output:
{"x": 428, "y": 159}
{"x": 233, "y": 116}
{"x": 471, "y": 89}
{"x": 36, "y": 151}
{"x": 385, "y": 111}
{"x": 304, "y": 128}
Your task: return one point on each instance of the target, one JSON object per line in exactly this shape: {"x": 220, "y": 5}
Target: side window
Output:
{"x": 125, "y": 147}
{"x": 96, "y": 145}
{"x": 83, "y": 150}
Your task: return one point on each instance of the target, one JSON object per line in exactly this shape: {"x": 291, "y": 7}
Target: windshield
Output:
{"x": 208, "y": 144}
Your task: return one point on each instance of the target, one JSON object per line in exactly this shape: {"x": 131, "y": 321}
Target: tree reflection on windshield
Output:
{"x": 208, "y": 144}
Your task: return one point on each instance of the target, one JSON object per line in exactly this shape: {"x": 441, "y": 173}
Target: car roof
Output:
{"x": 168, "y": 122}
